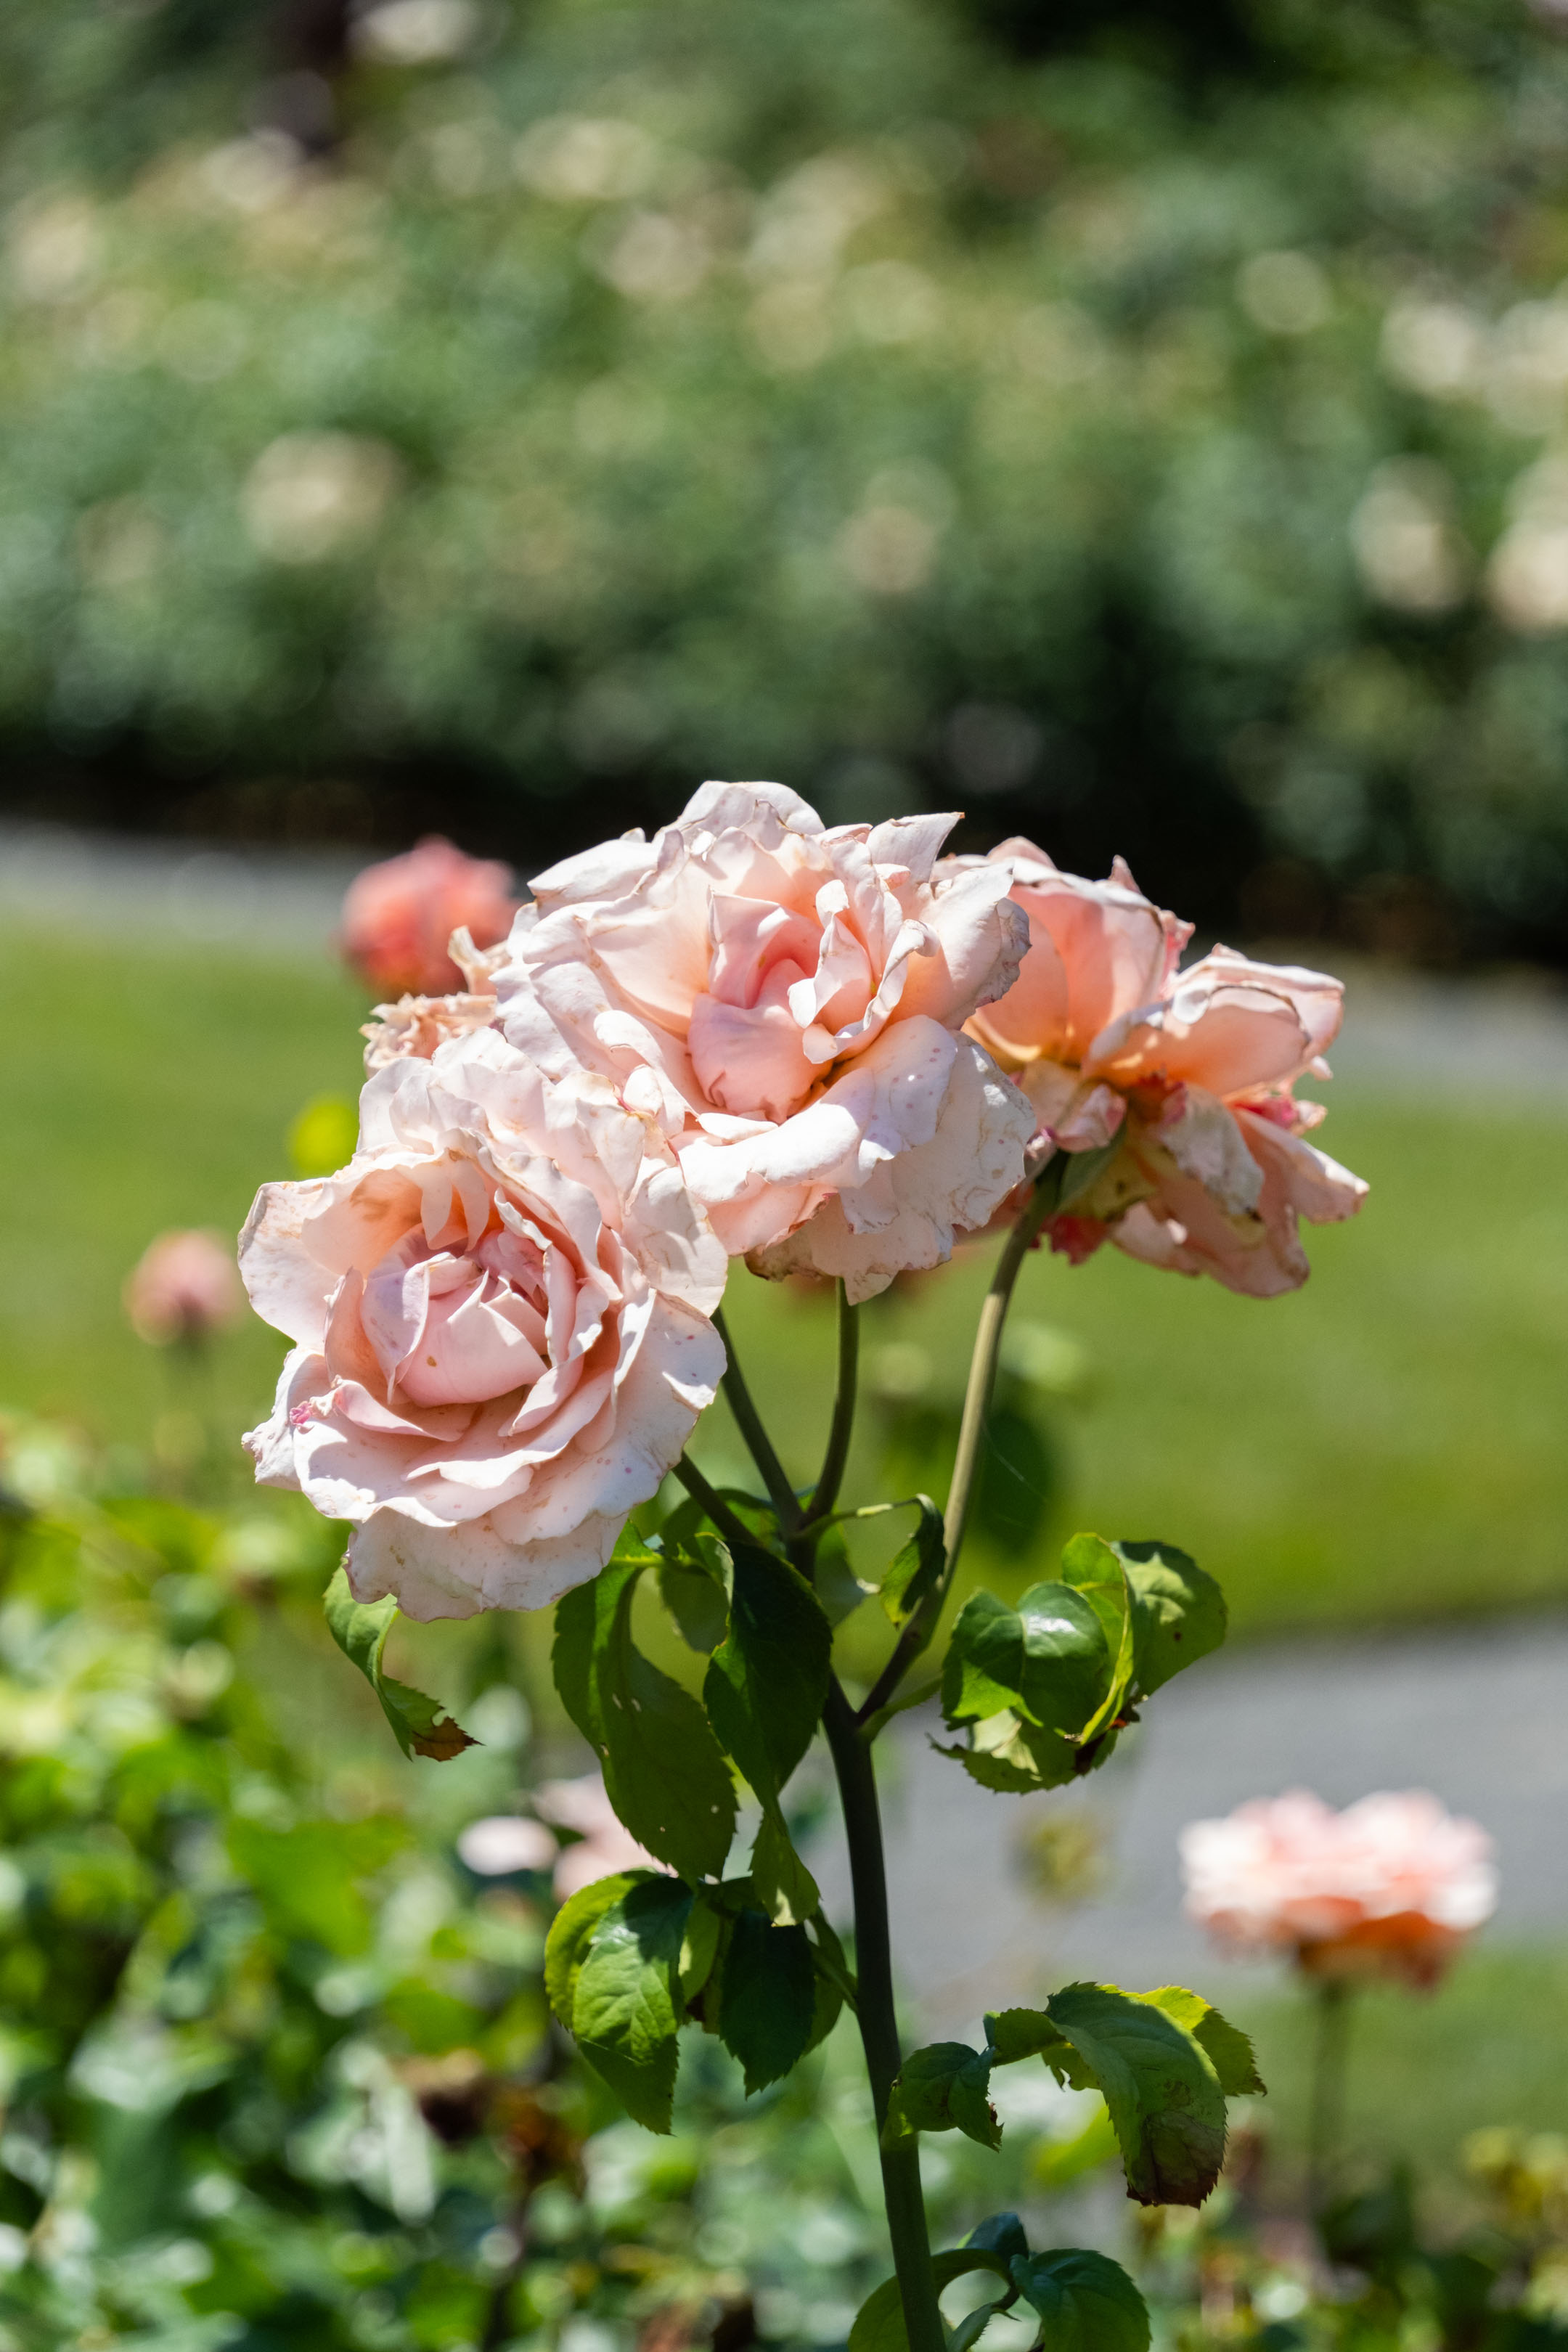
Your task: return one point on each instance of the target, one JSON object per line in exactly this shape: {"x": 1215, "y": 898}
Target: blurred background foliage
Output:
{"x": 1140, "y": 425}
{"x": 276, "y": 2068}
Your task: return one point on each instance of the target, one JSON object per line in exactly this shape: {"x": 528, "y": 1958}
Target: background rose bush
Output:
{"x": 1142, "y": 433}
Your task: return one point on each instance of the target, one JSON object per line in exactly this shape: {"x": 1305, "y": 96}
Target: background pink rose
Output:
{"x": 399, "y": 916}
{"x": 1195, "y": 1072}
{"x": 786, "y": 1001}
{"x": 499, "y": 1315}
{"x": 1391, "y": 1886}
{"x": 183, "y": 1286}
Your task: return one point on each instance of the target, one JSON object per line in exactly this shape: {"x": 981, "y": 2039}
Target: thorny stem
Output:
{"x": 902, "y": 2188}
{"x": 1326, "y": 2126}
{"x": 971, "y": 1435}
{"x": 759, "y": 1444}
{"x": 825, "y": 1493}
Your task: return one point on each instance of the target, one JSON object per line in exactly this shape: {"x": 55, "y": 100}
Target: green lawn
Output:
{"x": 1386, "y": 1443}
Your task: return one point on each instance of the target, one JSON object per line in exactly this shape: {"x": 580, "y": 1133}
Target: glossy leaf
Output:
{"x": 767, "y": 1682}
{"x": 1086, "y": 2303}
{"x": 626, "y": 2006}
{"x": 767, "y": 1997}
{"x": 664, "y": 1773}
{"x": 1160, "y": 2084}
{"x": 420, "y": 1725}
{"x": 946, "y": 2087}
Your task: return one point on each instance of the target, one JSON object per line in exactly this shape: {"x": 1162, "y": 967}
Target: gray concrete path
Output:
{"x": 1479, "y": 1715}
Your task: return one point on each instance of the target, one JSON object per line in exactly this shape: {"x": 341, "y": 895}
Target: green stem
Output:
{"x": 1326, "y": 2125}
{"x": 879, "y": 2026}
{"x": 825, "y": 1493}
{"x": 733, "y": 1530}
{"x": 917, "y": 1633}
{"x": 759, "y": 1444}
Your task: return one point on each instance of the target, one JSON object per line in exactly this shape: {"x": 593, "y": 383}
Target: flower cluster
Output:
{"x": 826, "y": 1050}
{"x": 1391, "y": 1886}
{"x": 1191, "y": 1073}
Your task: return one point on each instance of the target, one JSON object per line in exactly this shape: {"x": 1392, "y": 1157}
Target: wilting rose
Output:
{"x": 603, "y": 1844}
{"x": 183, "y": 1286}
{"x": 499, "y": 1315}
{"x": 1192, "y": 1073}
{"x": 785, "y": 1000}
{"x": 1392, "y": 1886}
{"x": 398, "y": 917}
{"x": 416, "y": 1026}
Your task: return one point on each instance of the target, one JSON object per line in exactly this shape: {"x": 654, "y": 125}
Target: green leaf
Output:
{"x": 664, "y": 1773}
{"x": 878, "y": 2324}
{"x": 693, "y": 1589}
{"x": 572, "y": 1932}
{"x": 1160, "y": 2084}
{"x": 1085, "y": 2301}
{"x": 421, "y": 1726}
{"x": 1092, "y": 1568}
{"x": 946, "y": 2087}
{"x": 1229, "y": 2050}
{"x": 832, "y": 1980}
{"x": 785, "y": 1887}
{"x": 1001, "y": 2233}
{"x": 1046, "y": 1661}
{"x": 700, "y": 1946}
{"x": 767, "y": 2000}
{"x": 767, "y": 1682}
{"x": 1007, "y": 1754}
{"x": 626, "y": 2008}
{"x": 1178, "y": 1612}
{"x": 917, "y": 1569}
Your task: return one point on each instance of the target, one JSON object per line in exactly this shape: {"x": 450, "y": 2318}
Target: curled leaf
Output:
{"x": 420, "y": 1725}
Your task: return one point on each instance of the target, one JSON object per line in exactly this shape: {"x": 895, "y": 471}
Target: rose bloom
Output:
{"x": 499, "y": 1311}
{"x": 182, "y": 1287}
{"x": 503, "y": 1842}
{"x": 1193, "y": 1072}
{"x": 399, "y": 916}
{"x": 1392, "y": 1886}
{"x": 786, "y": 999}
{"x": 604, "y": 1845}
{"x": 416, "y": 1026}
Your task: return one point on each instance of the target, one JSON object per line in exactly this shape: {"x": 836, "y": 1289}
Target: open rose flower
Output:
{"x": 416, "y": 1026}
{"x": 183, "y": 1286}
{"x": 1391, "y": 1886}
{"x": 785, "y": 1000}
{"x": 399, "y": 916}
{"x": 1191, "y": 1073}
{"x": 499, "y": 1315}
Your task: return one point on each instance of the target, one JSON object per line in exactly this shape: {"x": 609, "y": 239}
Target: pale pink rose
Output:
{"x": 1391, "y": 1886}
{"x": 499, "y": 1310}
{"x": 503, "y": 1842}
{"x": 1193, "y": 1071}
{"x": 183, "y": 1286}
{"x": 786, "y": 1001}
{"x": 399, "y": 916}
{"x": 416, "y": 1026}
{"x": 603, "y": 1845}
